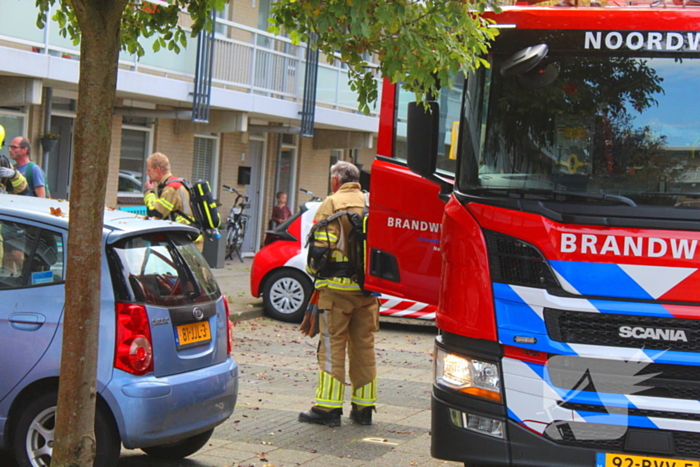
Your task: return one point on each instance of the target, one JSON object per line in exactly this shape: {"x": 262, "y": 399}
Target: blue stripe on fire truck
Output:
{"x": 533, "y": 399}
{"x": 600, "y": 279}
{"x": 520, "y": 313}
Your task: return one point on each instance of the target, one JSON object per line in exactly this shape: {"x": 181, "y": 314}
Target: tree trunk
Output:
{"x": 99, "y": 54}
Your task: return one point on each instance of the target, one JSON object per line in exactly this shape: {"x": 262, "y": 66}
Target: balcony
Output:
{"x": 253, "y": 71}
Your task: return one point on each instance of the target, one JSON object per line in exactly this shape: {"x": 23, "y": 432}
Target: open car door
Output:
{"x": 403, "y": 233}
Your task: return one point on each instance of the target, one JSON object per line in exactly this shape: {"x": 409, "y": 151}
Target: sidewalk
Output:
{"x": 234, "y": 281}
{"x": 277, "y": 377}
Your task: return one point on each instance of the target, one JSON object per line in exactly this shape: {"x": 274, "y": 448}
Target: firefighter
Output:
{"x": 348, "y": 317}
{"x": 11, "y": 180}
{"x": 165, "y": 197}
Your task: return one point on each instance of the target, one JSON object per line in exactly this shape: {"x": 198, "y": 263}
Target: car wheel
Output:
{"x": 286, "y": 294}
{"x": 179, "y": 449}
{"x": 33, "y": 438}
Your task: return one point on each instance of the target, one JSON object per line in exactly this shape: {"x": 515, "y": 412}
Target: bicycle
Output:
{"x": 313, "y": 196}
{"x": 236, "y": 224}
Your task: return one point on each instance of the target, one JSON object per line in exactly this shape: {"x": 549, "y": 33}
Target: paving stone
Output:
{"x": 278, "y": 373}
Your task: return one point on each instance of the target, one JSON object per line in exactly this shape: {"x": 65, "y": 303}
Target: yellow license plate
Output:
{"x": 193, "y": 333}
{"x": 623, "y": 460}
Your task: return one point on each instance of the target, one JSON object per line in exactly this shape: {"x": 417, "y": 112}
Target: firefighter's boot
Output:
{"x": 321, "y": 417}
{"x": 362, "y": 414}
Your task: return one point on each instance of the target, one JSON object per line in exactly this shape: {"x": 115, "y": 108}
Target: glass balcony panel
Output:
{"x": 327, "y": 87}
{"x": 58, "y": 41}
{"x": 169, "y": 61}
{"x": 22, "y": 24}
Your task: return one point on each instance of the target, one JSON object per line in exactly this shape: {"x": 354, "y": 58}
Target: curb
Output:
{"x": 245, "y": 315}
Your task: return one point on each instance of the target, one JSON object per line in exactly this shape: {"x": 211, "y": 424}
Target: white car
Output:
{"x": 278, "y": 274}
{"x": 130, "y": 188}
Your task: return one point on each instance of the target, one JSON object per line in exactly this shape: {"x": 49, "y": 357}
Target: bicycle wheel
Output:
{"x": 242, "y": 225}
{"x": 231, "y": 235}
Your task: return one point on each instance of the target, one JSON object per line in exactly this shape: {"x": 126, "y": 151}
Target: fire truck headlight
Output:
{"x": 468, "y": 375}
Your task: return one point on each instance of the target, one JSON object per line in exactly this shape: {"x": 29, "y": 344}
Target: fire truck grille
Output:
{"x": 614, "y": 438}
{"x": 649, "y": 332}
{"x": 630, "y": 411}
{"x": 512, "y": 261}
{"x": 622, "y": 377}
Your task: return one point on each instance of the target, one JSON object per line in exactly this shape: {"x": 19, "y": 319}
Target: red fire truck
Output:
{"x": 549, "y": 205}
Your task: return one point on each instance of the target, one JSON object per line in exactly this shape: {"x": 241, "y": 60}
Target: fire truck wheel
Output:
{"x": 285, "y": 295}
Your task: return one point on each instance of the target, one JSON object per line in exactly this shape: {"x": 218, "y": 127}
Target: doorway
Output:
{"x": 285, "y": 175}
{"x": 256, "y": 153}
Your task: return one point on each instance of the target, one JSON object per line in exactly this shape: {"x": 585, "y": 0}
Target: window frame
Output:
{"x": 23, "y": 114}
{"x": 41, "y": 228}
{"x": 148, "y": 149}
{"x": 212, "y": 178}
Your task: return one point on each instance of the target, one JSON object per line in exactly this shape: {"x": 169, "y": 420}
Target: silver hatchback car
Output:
{"x": 165, "y": 376}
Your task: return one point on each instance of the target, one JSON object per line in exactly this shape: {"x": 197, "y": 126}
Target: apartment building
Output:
{"x": 252, "y": 137}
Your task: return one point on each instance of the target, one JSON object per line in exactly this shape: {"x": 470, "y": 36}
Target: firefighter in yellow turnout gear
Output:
{"x": 348, "y": 317}
{"x": 164, "y": 197}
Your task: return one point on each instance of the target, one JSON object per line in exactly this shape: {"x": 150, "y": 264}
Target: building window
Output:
{"x": 13, "y": 120}
{"x": 135, "y": 148}
{"x": 204, "y": 162}
{"x": 263, "y": 14}
{"x": 336, "y": 155}
{"x": 220, "y": 28}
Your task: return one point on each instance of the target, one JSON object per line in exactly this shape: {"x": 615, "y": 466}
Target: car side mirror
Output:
{"x": 423, "y": 130}
{"x": 524, "y": 60}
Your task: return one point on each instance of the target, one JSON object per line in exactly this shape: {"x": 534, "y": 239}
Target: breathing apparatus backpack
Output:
{"x": 355, "y": 247}
{"x": 205, "y": 214}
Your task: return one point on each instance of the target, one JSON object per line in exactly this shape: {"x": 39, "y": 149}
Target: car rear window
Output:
{"x": 161, "y": 269}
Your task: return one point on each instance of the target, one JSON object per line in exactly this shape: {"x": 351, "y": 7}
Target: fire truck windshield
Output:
{"x": 623, "y": 125}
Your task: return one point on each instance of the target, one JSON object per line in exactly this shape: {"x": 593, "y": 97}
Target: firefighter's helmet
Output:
{"x": 2, "y": 136}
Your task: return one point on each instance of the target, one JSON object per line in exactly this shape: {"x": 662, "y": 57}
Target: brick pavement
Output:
{"x": 277, "y": 381}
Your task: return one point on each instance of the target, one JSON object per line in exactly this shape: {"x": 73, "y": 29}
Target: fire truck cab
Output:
{"x": 548, "y": 204}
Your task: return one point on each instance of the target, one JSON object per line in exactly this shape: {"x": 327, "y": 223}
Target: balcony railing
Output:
{"x": 245, "y": 59}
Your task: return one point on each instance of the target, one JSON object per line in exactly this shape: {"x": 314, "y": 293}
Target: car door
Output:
{"x": 403, "y": 233}
{"x": 31, "y": 296}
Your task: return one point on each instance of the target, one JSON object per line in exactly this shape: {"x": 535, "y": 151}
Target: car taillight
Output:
{"x": 229, "y": 330}
{"x": 134, "y": 352}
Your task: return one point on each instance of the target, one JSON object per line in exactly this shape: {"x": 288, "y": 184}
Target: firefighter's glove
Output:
{"x": 317, "y": 259}
{"x": 6, "y": 172}
{"x": 309, "y": 325}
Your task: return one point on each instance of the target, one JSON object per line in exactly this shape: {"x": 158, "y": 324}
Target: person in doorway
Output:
{"x": 280, "y": 212}
{"x": 348, "y": 317}
{"x": 11, "y": 180}
{"x": 166, "y": 197}
{"x": 20, "y": 151}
